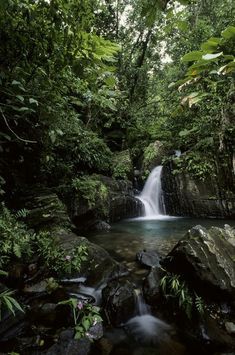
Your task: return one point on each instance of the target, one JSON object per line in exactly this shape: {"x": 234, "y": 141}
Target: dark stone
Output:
{"x": 102, "y": 226}
{"x": 44, "y": 208}
{"x": 16, "y": 275}
{"x": 99, "y": 267}
{"x": 67, "y": 345}
{"x": 188, "y": 196}
{"x": 120, "y": 204}
{"x": 151, "y": 286}
{"x": 119, "y": 301}
{"x": 148, "y": 258}
{"x": 206, "y": 259}
{"x": 215, "y": 336}
{"x": 71, "y": 347}
{"x": 51, "y": 315}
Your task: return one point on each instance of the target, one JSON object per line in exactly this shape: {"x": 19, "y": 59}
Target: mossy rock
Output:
{"x": 122, "y": 165}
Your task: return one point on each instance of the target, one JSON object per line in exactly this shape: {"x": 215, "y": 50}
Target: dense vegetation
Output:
{"x": 87, "y": 87}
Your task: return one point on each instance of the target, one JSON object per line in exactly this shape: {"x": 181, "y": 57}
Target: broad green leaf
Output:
{"x": 110, "y": 81}
{"x": 52, "y": 136}
{"x": 229, "y": 32}
{"x": 182, "y": 26}
{"x": 211, "y": 44}
{"x": 192, "y": 56}
{"x": 33, "y": 101}
{"x": 86, "y": 323}
{"x": 16, "y": 304}
{"x": 209, "y": 56}
{"x": 21, "y": 98}
{"x": 15, "y": 82}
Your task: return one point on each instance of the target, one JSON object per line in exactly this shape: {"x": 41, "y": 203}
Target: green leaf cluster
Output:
{"x": 15, "y": 241}
{"x": 176, "y": 290}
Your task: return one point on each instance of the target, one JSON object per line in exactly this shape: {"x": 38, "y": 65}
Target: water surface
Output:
{"x": 128, "y": 237}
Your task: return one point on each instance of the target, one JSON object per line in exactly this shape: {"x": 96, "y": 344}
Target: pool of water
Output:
{"x": 146, "y": 334}
{"x": 128, "y": 237}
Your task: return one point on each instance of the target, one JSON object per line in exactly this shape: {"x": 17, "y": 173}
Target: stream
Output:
{"x": 145, "y": 333}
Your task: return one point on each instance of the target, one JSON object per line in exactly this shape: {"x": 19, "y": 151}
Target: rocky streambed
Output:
{"x": 141, "y": 314}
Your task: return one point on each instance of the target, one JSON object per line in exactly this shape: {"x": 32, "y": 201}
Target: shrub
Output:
{"x": 84, "y": 316}
{"x": 56, "y": 258}
{"x": 122, "y": 165}
{"x": 196, "y": 165}
{"x": 15, "y": 239}
{"x": 176, "y": 290}
{"x": 91, "y": 189}
{"x": 8, "y": 302}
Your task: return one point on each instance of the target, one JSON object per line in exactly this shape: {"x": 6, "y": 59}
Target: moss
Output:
{"x": 91, "y": 189}
{"x": 122, "y": 165}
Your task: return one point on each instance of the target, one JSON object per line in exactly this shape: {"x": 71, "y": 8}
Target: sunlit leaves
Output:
{"x": 229, "y": 33}
{"x": 210, "y": 56}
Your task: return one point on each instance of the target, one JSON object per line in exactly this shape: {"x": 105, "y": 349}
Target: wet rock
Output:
{"x": 149, "y": 258}
{"x": 12, "y": 326}
{"x": 230, "y": 327}
{"x": 120, "y": 203}
{"x": 70, "y": 347}
{"x": 44, "y": 208}
{"x": 119, "y": 301}
{"x": 188, "y": 196}
{"x": 51, "y": 315}
{"x": 216, "y": 337}
{"x": 98, "y": 267}
{"x": 205, "y": 258}
{"x": 39, "y": 287}
{"x": 96, "y": 331}
{"x": 151, "y": 286}
{"x": 102, "y": 226}
{"x": 16, "y": 275}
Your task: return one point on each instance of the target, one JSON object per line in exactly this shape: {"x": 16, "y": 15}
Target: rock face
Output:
{"x": 119, "y": 301}
{"x": 120, "y": 204}
{"x": 99, "y": 267}
{"x": 206, "y": 259}
{"x": 149, "y": 258}
{"x": 151, "y": 286}
{"x": 44, "y": 208}
{"x": 185, "y": 196}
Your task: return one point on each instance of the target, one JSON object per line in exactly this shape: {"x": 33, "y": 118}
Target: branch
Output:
{"x": 7, "y": 124}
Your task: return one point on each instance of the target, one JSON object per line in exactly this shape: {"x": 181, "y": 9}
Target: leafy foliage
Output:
{"x": 84, "y": 315}
{"x": 8, "y": 302}
{"x": 56, "y": 258}
{"x": 92, "y": 190}
{"x": 15, "y": 240}
{"x": 195, "y": 164}
{"x": 176, "y": 289}
{"x": 122, "y": 165}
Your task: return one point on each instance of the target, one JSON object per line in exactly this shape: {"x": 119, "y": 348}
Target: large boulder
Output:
{"x": 149, "y": 258}
{"x": 119, "y": 202}
{"x": 43, "y": 208}
{"x": 185, "y": 195}
{"x": 206, "y": 259}
{"x": 151, "y": 286}
{"x": 119, "y": 301}
{"x": 99, "y": 266}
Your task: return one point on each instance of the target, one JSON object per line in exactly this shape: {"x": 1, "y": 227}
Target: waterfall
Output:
{"x": 151, "y": 196}
{"x": 144, "y": 326}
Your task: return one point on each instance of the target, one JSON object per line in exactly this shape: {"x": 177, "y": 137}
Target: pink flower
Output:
{"x": 68, "y": 257}
{"x": 80, "y": 305}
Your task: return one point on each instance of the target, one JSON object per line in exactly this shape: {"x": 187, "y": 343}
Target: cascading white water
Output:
{"x": 144, "y": 326}
{"x": 151, "y": 196}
